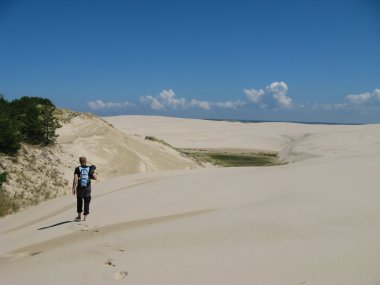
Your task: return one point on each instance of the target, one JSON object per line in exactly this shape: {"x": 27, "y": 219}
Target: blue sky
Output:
{"x": 256, "y": 60}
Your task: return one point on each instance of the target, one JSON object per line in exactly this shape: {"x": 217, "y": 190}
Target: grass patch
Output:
{"x": 227, "y": 159}
{"x": 3, "y": 177}
{"x": 151, "y": 138}
{"x": 7, "y": 204}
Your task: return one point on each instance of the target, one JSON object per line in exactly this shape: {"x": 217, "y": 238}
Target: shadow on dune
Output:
{"x": 55, "y": 225}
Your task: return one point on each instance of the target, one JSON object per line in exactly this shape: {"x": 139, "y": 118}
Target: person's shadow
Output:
{"x": 57, "y": 224}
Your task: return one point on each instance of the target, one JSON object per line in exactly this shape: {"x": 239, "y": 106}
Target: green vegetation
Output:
{"x": 27, "y": 190}
{"x": 151, "y": 138}
{"x": 7, "y": 205}
{"x": 28, "y": 119}
{"x": 225, "y": 158}
{"x": 229, "y": 159}
{"x": 3, "y": 177}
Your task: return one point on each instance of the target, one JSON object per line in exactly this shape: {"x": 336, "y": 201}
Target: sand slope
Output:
{"x": 315, "y": 221}
{"x": 116, "y": 153}
{"x": 40, "y": 173}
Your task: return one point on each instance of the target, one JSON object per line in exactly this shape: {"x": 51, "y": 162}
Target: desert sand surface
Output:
{"x": 315, "y": 220}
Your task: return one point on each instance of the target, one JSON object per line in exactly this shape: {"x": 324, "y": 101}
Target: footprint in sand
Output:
{"x": 117, "y": 275}
{"x": 85, "y": 228}
{"x": 120, "y": 275}
{"x": 110, "y": 263}
{"x": 118, "y": 249}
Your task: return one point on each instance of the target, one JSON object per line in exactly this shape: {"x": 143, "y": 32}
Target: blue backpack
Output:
{"x": 84, "y": 178}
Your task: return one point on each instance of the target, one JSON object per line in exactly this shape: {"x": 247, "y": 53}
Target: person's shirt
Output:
{"x": 77, "y": 172}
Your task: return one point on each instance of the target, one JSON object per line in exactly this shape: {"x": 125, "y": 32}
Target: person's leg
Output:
{"x": 79, "y": 202}
{"x": 87, "y": 200}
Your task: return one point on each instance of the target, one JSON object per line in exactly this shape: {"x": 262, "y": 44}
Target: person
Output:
{"x": 82, "y": 187}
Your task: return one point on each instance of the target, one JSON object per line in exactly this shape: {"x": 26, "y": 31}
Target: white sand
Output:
{"x": 115, "y": 153}
{"x": 314, "y": 221}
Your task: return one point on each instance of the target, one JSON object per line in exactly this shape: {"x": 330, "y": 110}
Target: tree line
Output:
{"x": 28, "y": 119}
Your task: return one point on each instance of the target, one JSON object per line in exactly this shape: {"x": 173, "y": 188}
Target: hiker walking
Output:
{"x": 82, "y": 186}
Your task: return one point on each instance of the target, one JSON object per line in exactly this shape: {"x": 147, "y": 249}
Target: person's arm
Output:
{"x": 93, "y": 176}
{"x": 75, "y": 183}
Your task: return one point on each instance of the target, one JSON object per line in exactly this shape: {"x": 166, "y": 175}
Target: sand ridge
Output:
{"x": 114, "y": 152}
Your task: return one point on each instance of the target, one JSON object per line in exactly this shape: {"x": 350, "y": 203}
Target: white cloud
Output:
{"x": 99, "y": 105}
{"x": 205, "y": 105}
{"x": 283, "y": 101}
{"x": 376, "y": 93}
{"x": 279, "y": 90}
{"x": 254, "y": 95}
{"x": 168, "y": 98}
{"x": 152, "y": 102}
{"x": 333, "y": 107}
{"x": 359, "y": 98}
{"x": 364, "y": 103}
{"x": 230, "y": 104}
{"x": 364, "y": 98}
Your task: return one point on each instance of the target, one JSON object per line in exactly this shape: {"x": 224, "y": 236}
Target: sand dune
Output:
{"x": 115, "y": 153}
{"x": 313, "y": 221}
{"x": 295, "y": 142}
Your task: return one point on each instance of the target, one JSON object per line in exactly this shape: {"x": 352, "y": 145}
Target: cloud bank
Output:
{"x": 364, "y": 98}
{"x": 230, "y": 104}
{"x": 273, "y": 97}
{"x": 361, "y": 102}
{"x": 167, "y": 100}
{"x": 101, "y": 105}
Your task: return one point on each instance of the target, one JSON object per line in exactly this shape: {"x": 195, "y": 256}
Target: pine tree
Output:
{"x": 28, "y": 119}
{"x": 36, "y": 116}
{"x": 49, "y": 124}
{"x": 10, "y": 135}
